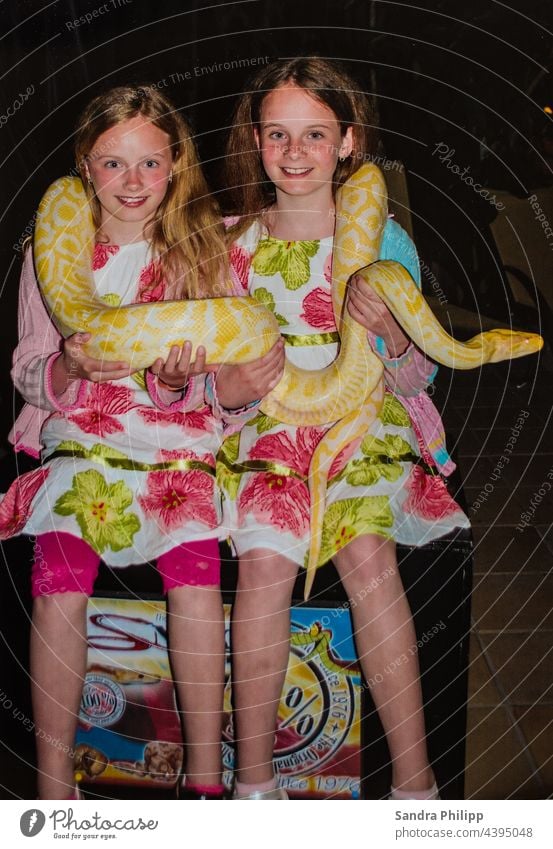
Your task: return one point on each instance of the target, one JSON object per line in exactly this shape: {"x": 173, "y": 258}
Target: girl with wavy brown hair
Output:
{"x": 300, "y": 129}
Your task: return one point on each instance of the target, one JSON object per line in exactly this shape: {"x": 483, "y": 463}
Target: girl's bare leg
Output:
{"x": 58, "y": 667}
{"x": 386, "y": 645}
{"x": 260, "y": 639}
{"x": 197, "y": 649}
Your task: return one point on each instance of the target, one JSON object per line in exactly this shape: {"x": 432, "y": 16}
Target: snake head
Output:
{"x": 502, "y": 344}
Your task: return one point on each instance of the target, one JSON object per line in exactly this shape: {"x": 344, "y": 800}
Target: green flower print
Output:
{"x": 99, "y": 510}
{"x": 97, "y": 450}
{"x": 111, "y": 299}
{"x": 267, "y": 299}
{"x": 393, "y": 446}
{"x": 383, "y": 459}
{"x": 139, "y": 378}
{"x": 345, "y": 519}
{"x": 228, "y": 480}
{"x": 393, "y": 412}
{"x": 290, "y": 259}
{"x": 262, "y": 423}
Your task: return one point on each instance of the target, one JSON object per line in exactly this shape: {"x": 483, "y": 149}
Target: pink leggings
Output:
{"x": 64, "y": 563}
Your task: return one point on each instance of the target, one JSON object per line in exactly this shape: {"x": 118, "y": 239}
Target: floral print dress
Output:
{"x": 388, "y": 486}
{"x": 131, "y": 475}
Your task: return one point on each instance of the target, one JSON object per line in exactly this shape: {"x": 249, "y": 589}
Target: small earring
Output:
{"x": 170, "y": 177}
{"x": 341, "y": 159}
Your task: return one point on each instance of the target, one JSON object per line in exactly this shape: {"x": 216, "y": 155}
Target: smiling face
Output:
{"x": 300, "y": 141}
{"x": 130, "y": 166}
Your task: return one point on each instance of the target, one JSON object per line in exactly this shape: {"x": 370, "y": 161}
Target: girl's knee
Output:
{"x": 67, "y": 604}
{"x": 267, "y": 572}
{"x": 365, "y": 560}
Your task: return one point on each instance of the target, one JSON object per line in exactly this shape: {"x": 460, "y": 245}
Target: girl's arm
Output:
{"x": 48, "y": 371}
{"x": 38, "y": 349}
{"x": 234, "y": 392}
{"x": 237, "y": 386}
{"x": 406, "y": 369}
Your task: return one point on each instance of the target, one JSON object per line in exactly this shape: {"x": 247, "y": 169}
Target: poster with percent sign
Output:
{"x": 129, "y": 730}
{"x": 317, "y": 752}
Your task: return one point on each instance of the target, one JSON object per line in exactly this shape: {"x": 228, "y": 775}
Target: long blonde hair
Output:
{"x": 187, "y": 230}
{"x": 247, "y": 187}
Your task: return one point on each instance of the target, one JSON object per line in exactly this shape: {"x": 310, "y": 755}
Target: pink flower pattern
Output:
{"x": 15, "y": 507}
{"x": 281, "y": 500}
{"x": 101, "y": 255}
{"x": 280, "y": 447}
{"x": 317, "y": 310}
{"x": 186, "y": 454}
{"x": 201, "y": 419}
{"x": 175, "y": 498}
{"x": 104, "y": 402}
{"x": 428, "y": 496}
{"x": 241, "y": 260}
{"x": 151, "y": 287}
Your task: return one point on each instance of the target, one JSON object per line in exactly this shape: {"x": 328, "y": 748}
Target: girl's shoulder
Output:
{"x": 248, "y": 234}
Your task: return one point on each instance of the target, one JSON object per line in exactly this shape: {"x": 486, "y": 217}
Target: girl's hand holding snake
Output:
{"x": 238, "y": 385}
{"x": 371, "y": 312}
{"x": 173, "y": 374}
{"x": 74, "y": 364}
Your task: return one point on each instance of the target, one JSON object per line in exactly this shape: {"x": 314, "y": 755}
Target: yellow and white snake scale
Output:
{"x": 348, "y": 392}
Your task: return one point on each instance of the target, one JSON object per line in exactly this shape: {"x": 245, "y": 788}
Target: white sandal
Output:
{"x": 275, "y": 793}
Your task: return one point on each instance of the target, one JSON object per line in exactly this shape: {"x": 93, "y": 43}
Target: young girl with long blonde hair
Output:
{"x": 127, "y": 468}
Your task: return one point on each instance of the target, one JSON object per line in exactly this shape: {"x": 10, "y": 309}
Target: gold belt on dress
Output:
{"x": 181, "y": 465}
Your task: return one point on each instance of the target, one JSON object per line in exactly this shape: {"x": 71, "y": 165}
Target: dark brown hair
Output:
{"x": 187, "y": 231}
{"x": 248, "y": 190}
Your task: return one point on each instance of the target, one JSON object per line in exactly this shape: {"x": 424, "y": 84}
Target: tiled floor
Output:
{"x": 510, "y": 716}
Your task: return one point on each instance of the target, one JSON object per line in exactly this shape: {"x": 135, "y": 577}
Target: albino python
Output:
{"x": 349, "y": 392}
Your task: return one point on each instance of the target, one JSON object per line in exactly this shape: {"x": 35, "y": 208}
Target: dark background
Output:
{"x": 473, "y": 76}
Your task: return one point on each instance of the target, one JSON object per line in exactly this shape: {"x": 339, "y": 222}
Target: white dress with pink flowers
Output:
{"x": 390, "y": 485}
{"x": 129, "y": 472}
